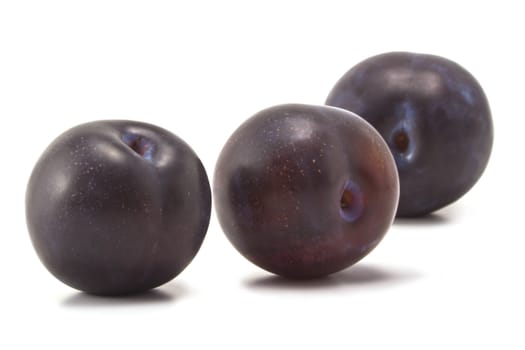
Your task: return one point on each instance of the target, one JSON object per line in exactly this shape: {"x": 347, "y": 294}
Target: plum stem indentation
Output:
{"x": 140, "y": 145}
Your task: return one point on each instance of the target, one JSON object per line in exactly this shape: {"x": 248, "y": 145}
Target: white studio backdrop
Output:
{"x": 199, "y": 69}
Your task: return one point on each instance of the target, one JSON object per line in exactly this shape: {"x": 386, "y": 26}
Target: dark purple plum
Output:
{"x": 304, "y": 191}
{"x": 435, "y": 118}
{"x": 117, "y": 207}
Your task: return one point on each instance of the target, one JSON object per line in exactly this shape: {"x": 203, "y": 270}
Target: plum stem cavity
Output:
{"x": 401, "y": 141}
{"x": 351, "y": 203}
{"x": 140, "y": 145}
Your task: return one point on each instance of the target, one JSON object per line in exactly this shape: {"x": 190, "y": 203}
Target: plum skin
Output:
{"x": 435, "y": 118}
{"x": 305, "y": 191}
{"x": 117, "y": 207}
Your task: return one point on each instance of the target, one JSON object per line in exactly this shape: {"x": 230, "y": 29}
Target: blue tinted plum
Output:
{"x": 435, "y": 118}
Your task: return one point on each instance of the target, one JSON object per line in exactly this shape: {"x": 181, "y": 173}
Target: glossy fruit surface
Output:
{"x": 117, "y": 207}
{"x": 304, "y": 191}
{"x": 435, "y": 118}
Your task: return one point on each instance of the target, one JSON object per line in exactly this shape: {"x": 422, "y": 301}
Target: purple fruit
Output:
{"x": 117, "y": 207}
{"x": 433, "y": 115}
{"x": 304, "y": 191}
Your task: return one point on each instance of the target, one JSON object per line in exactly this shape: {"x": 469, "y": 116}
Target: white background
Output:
{"x": 451, "y": 280}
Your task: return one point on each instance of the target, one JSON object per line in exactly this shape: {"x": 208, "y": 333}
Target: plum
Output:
{"x": 304, "y": 191}
{"x": 117, "y": 207}
{"x": 435, "y": 118}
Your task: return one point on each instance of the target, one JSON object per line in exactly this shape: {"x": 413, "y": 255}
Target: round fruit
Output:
{"x": 435, "y": 118}
{"x": 117, "y": 207}
{"x": 304, "y": 191}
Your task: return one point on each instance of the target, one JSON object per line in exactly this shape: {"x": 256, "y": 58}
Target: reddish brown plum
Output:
{"x": 117, "y": 207}
{"x": 304, "y": 191}
{"x": 435, "y": 118}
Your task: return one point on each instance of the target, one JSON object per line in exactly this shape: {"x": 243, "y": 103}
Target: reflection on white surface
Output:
{"x": 167, "y": 293}
{"x": 361, "y": 274}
